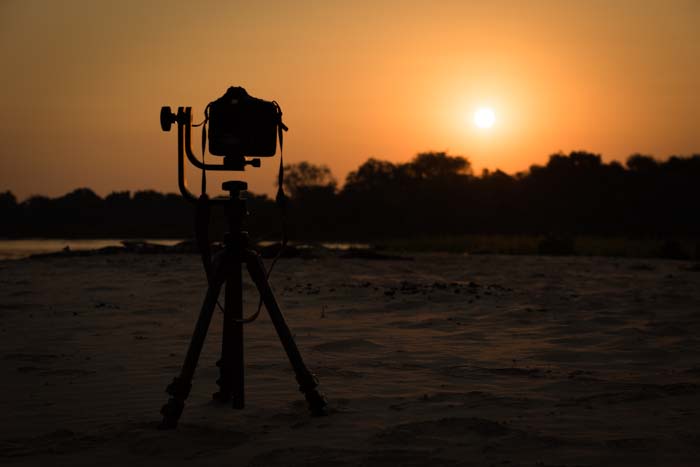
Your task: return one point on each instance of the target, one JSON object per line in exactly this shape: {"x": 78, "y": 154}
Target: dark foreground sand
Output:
{"x": 444, "y": 360}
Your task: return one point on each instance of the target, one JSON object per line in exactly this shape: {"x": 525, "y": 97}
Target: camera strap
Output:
{"x": 201, "y": 233}
{"x": 202, "y": 208}
{"x": 281, "y": 128}
{"x": 203, "y": 124}
{"x": 281, "y": 198}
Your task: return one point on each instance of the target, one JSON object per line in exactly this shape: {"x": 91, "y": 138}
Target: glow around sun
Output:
{"x": 484, "y": 118}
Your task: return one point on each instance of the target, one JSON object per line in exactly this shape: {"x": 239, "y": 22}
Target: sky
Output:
{"x": 83, "y": 82}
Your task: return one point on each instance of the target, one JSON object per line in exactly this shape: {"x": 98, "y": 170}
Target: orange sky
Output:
{"x": 83, "y": 82}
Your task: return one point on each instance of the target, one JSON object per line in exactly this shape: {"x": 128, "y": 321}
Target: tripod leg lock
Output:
{"x": 308, "y": 382}
{"x": 179, "y": 389}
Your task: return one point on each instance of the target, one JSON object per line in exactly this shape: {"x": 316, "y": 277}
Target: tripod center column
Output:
{"x": 232, "y": 380}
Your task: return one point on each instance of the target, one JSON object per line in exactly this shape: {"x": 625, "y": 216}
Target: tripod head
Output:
{"x": 242, "y": 128}
{"x": 234, "y": 188}
{"x": 183, "y": 119}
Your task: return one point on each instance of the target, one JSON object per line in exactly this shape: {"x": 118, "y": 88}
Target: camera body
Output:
{"x": 242, "y": 125}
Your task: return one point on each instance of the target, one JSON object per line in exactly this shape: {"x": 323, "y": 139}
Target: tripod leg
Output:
{"x": 179, "y": 389}
{"x": 231, "y": 379}
{"x": 307, "y": 381}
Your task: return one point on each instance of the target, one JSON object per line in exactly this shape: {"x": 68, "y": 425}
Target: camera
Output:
{"x": 243, "y": 125}
{"x": 242, "y": 129}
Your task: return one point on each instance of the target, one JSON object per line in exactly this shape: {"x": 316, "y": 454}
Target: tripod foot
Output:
{"x": 226, "y": 392}
{"x": 171, "y": 411}
{"x": 237, "y": 402}
{"x": 221, "y": 397}
{"x": 224, "y": 397}
{"x": 318, "y": 406}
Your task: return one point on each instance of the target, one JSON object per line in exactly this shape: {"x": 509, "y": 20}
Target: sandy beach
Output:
{"x": 438, "y": 360}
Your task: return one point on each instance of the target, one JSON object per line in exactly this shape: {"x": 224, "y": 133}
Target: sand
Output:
{"x": 442, "y": 360}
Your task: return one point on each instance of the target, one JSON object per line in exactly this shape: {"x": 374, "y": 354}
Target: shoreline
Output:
{"x": 685, "y": 248}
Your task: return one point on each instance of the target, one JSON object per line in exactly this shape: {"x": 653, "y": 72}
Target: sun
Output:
{"x": 484, "y": 118}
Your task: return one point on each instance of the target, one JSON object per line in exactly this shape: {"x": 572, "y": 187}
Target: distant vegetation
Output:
{"x": 434, "y": 195}
{"x": 143, "y": 214}
{"x": 438, "y": 194}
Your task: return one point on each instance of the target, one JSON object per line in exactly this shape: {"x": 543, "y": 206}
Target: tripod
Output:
{"x": 226, "y": 269}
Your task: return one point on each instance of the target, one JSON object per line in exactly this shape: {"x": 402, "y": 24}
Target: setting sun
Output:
{"x": 484, "y": 118}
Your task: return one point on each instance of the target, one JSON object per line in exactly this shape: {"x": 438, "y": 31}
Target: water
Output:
{"x": 16, "y": 249}
{"x": 342, "y": 246}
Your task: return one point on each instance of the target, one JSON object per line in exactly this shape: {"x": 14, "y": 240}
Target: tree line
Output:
{"x": 83, "y": 214}
{"x": 433, "y": 194}
{"x": 436, "y": 193}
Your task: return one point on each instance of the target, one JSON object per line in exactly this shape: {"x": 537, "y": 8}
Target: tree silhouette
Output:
{"x": 642, "y": 164}
{"x": 438, "y": 165}
{"x": 373, "y": 175}
{"x": 305, "y": 176}
{"x": 9, "y": 214}
{"x": 433, "y": 194}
